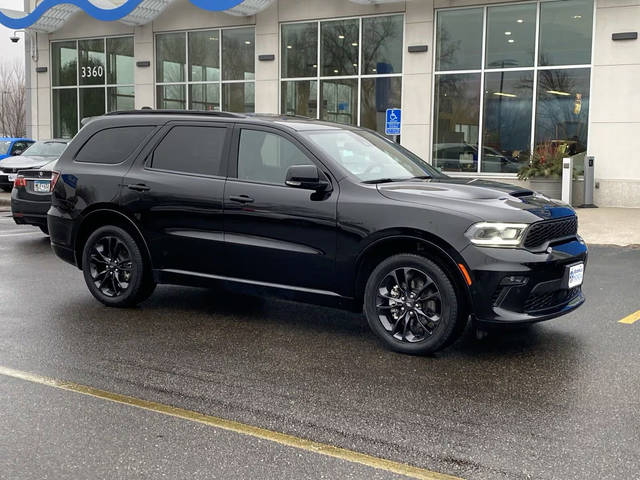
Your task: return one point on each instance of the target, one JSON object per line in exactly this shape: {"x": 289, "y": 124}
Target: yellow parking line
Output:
{"x": 630, "y": 319}
{"x": 230, "y": 425}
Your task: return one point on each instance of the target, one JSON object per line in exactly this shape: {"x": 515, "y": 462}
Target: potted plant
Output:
{"x": 544, "y": 170}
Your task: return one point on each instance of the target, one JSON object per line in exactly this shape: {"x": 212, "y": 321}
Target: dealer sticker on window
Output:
{"x": 576, "y": 274}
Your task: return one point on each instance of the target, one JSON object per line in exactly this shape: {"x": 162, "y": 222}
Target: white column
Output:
{"x": 267, "y": 89}
{"x": 143, "y": 76}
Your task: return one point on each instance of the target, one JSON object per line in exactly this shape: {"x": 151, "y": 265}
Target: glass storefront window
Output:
{"x": 90, "y": 77}
{"x": 511, "y": 36}
{"x": 170, "y": 57}
{"x": 562, "y": 111}
{"x": 459, "y": 39}
{"x": 299, "y": 50}
{"x": 221, "y": 70}
{"x": 382, "y": 39}
{"x": 300, "y": 98}
{"x": 377, "y": 95}
{"x": 339, "y": 100}
{"x": 457, "y": 122}
{"x": 238, "y": 54}
{"x": 64, "y": 60}
{"x": 506, "y": 134}
{"x": 565, "y": 32}
{"x": 339, "y": 47}
{"x": 492, "y": 117}
{"x": 355, "y": 83}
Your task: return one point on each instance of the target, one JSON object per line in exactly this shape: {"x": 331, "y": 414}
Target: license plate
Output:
{"x": 41, "y": 187}
{"x": 576, "y": 274}
{"x": 12, "y": 177}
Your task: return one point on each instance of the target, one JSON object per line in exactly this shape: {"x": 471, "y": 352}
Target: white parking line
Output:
{"x": 17, "y": 234}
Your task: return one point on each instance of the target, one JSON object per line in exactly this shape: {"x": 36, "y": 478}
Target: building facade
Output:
{"x": 483, "y": 86}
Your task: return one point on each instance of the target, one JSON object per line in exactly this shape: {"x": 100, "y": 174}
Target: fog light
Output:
{"x": 514, "y": 280}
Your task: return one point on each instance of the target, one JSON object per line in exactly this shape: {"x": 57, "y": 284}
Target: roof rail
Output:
{"x": 149, "y": 111}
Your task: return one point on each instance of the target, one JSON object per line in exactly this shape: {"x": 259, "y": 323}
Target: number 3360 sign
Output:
{"x": 92, "y": 72}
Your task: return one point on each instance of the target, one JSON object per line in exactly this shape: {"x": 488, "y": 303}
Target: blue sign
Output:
{"x": 394, "y": 119}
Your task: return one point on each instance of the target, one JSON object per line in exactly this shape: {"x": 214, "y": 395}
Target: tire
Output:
{"x": 420, "y": 325}
{"x": 114, "y": 268}
{"x": 7, "y": 189}
{"x": 44, "y": 229}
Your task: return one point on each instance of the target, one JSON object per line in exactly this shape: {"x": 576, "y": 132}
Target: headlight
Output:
{"x": 489, "y": 234}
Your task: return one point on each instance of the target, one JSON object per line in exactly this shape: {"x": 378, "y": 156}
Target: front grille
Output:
{"x": 543, "y": 301}
{"x": 543, "y": 232}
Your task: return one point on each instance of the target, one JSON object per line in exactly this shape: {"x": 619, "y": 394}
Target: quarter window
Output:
{"x": 113, "y": 145}
{"x": 265, "y": 157}
{"x": 191, "y": 149}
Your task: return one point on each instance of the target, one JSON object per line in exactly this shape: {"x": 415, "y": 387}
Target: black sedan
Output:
{"x": 31, "y": 197}
{"x": 34, "y": 157}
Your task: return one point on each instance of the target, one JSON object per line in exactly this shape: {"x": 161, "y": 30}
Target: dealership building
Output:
{"x": 483, "y": 86}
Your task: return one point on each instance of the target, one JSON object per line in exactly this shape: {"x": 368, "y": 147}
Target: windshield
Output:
{"x": 4, "y": 147}
{"x": 370, "y": 157}
{"x": 45, "y": 149}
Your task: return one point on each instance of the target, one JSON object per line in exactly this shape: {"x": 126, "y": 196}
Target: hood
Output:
{"x": 484, "y": 199}
{"x": 22, "y": 161}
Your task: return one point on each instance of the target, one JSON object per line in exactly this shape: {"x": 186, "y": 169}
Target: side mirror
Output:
{"x": 17, "y": 152}
{"x": 307, "y": 177}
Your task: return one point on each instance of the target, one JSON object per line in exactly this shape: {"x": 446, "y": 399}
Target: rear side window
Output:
{"x": 191, "y": 149}
{"x": 113, "y": 145}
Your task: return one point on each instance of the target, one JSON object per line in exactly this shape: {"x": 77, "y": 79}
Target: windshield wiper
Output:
{"x": 421, "y": 177}
{"x": 390, "y": 180}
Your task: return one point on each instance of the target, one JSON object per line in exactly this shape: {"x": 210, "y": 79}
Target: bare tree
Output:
{"x": 12, "y": 99}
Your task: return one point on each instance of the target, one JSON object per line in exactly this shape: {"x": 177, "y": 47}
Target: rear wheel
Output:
{"x": 412, "y": 305}
{"x": 115, "y": 269}
{"x": 44, "y": 229}
{"x": 7, "y": 189}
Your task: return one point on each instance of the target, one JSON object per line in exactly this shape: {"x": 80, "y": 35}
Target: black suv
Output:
{"x": 314, "y": 211}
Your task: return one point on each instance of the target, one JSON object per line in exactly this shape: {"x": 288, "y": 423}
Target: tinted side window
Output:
{"x": 112, "y": 145}
{"x": 19, "y": 146}
{"x": 265, "y": 157}
{"x": 192, "y": 149}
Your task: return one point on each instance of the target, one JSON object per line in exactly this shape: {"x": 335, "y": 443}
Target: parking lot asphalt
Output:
{"x": 557, "y": 400}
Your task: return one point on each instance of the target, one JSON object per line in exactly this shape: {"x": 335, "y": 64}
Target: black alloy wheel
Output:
{"x": 411, "y": 304}
{"x": 114, "y": 268}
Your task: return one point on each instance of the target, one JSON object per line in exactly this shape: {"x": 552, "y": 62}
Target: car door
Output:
{"x": 275, "y": 233}
{"x": 175, "y": 191}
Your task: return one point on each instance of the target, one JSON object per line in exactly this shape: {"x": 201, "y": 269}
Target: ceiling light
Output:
{"x": 247, "y": 42}
{"x": 354, "y": 44}
{"x": 511, "y": 40}
{"x": 335, "y": 71}
{"x": 502, "y": 94}
{"x": 355, "y": 64}
{"x": 315, "y": 66}
{"x": 341, "y": 37}
{"x": 213, "y": 38}
{"x": 374, "y": 70}
{"x": 520, "y": 20}
{"x": 577, "y": 17}
{"x": 289, "y": 47}
{"x": 507, "y": 33}
{"x": 556, "y": 92}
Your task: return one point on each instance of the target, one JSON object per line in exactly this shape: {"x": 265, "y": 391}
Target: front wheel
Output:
{"x": 114, "y": 268}
{"x": 411, "y": 305}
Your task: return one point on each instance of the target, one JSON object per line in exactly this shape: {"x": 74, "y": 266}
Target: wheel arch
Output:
{"x": 101, "y": 215}
{"x": 421, "y": 243}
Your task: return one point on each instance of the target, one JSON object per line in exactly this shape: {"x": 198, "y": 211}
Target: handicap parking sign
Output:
{"x": 392, "y": 126}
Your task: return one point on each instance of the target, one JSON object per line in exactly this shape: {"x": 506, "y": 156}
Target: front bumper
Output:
{"x": 519, "y": 286}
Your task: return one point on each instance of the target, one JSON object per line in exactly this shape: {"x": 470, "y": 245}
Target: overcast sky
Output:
{"x": 9, "y": 49}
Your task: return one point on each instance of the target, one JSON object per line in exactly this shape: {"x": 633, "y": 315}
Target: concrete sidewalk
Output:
{"x": 598, "y": 226}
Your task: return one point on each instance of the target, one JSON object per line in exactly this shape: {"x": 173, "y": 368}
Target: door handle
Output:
{"x": 241, "y": 199}
{"x": 139, "y": 187}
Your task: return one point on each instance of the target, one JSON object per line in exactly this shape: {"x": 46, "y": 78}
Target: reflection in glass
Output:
{"x": 562, "y": 111}
{"x": 382, "y": 44}
{"x": 65, "y": 112}
{"x": 91, "y": 70}
{"x": 64, "y": 60}
{"x": 204, "y": 56}
{"x": 459, "y": 39}
{"x": 120, "y": 99}
{"x": 238, "y": 54}
{"x": 299, "y": 50}
{"x": 379, "y": 94}
{"x": 238, "y": 97}
{"x": 565, "y": 32}
{"x": 339, "y": 47}
{"x": 170, "y": 57}
{"x": 511, "y": 32}
{"x": 120, "y": 60}
{"x": 339, "y": 101}
{"x": 171, "y": 97}
{"x": 91, "y": 102}
{"x": 506, "y": 136}
{"x": 457, "y": 113}
{"x": 205, "y": 96}
{"x": 300, "y": 98}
